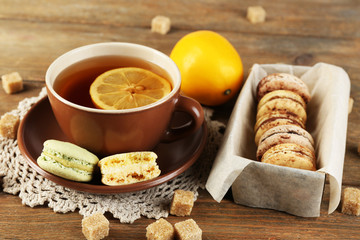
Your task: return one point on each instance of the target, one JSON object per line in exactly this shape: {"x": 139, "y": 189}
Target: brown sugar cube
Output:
{"x": 187, "y": 230}
{"x": 182, "y": 203}
{"x": 95, "y": 227}
{"x": 160, "y": 24}
{"x": 160, "y": 230}
{"x": 256, "y": 14}
{"x": 351, "y": 201}
{"x": 9, "y": 125}
{"x": 351, "y": 104}
{"x": 12, "y": 82}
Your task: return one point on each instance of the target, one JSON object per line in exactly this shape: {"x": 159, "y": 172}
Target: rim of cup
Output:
{"x": 110, "y": 49}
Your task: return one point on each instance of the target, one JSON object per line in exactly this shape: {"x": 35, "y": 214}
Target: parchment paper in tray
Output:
{"x": 295, "y": 191}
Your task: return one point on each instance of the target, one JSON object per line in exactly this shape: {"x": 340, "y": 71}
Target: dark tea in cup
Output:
{"x": 73, "y": 83}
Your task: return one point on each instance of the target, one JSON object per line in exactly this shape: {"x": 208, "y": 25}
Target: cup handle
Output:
{"x": 195, "y": 110}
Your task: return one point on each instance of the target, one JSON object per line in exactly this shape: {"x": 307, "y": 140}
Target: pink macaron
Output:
{"x": 283, "y": 81}
{"x": 284, "y": 134}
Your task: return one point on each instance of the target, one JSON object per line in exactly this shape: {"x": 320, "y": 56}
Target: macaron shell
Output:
{"x": 288, "y": 129}
{"x": 283, "y": 81}
{"x": 270, "y": 116}
{"x": 57, "y": 169}
{"x": 71, "y": 150}
{"x": 288, "y": 105}
{"x": 273, "y": 119}
{"x": 290, "y": 155}
{"x": 279, "y": 138}
{"x": 268, "y": 125}
{"x": 282, "y": 94}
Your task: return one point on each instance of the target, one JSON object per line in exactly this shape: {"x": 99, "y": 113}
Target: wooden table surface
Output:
{"x": 34, "y": 33}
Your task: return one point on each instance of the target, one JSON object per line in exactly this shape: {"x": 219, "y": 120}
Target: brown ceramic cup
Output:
{"x": 106, "y": 132}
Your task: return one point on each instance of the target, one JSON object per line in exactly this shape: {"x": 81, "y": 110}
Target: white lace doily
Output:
{"x": 20, "y": 179}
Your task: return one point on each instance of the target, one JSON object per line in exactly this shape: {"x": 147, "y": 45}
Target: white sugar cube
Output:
{"x": 256, "y": 14}
{"x": 160, "y": 24}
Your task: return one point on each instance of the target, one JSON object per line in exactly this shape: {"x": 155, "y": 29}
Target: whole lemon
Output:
{"x": 211, "y": 69}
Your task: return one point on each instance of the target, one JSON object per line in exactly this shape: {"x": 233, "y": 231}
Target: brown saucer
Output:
{"x": 174, "y": 158}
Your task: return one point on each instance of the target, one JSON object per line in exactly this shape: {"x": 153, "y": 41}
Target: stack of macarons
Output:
{"x": 280, "y": 133}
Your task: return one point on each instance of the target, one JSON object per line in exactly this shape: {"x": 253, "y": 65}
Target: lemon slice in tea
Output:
{"x": 130, "y": 87}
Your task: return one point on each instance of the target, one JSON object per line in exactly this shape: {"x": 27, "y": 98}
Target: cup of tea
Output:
{"x": 106, "y": 132}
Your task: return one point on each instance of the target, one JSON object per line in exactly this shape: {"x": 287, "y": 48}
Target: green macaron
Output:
{"x": 67, "y": 160}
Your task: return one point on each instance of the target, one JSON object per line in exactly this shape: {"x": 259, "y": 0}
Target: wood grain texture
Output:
{"x": 294, "y": 33}
{"x": 33, "y": 34}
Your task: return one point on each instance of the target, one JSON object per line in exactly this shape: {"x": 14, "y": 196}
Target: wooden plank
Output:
{"x": 311, "y": 18}
{"x": 225, "y": 220}
{"x": 32, "y": 51}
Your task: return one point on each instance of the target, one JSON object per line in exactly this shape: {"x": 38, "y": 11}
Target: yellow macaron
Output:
{"x": 290, "y": 155}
